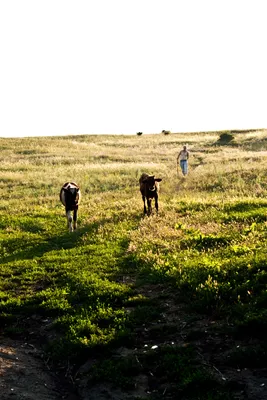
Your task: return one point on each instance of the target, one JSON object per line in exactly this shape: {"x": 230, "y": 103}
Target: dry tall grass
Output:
{"x": 34, "y": 166}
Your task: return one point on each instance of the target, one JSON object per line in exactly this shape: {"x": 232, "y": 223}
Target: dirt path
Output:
{"x": 25, "y": 376}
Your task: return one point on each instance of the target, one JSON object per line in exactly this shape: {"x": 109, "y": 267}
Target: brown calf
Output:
{"x": 149, "y": 188}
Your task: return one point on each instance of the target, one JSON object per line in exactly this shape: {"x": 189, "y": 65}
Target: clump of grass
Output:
{"x": 225, "y": 138}
{"x": 253, "y": 356}
{"x": 166, "y": 132}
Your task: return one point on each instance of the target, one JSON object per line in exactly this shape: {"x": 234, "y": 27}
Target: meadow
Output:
{"x": 167, "y": 306}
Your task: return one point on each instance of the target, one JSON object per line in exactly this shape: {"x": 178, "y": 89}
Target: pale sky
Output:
{"x": 123, "y": 66}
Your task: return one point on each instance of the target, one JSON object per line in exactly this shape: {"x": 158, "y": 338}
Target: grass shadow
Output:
{"x": 66, "y": 240}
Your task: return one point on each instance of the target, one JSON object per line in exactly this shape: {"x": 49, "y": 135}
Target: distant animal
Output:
{"x": 149, "y": 188}
{"x": 70, "y": 196}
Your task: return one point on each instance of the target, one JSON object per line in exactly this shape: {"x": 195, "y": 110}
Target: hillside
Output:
{"x": 132, "y": 307}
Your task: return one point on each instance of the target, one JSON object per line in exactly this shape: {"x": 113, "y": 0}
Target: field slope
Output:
{"x": 132, "y": 307}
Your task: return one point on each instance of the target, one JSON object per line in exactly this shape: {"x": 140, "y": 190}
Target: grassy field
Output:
{"x": 168, "y": 306}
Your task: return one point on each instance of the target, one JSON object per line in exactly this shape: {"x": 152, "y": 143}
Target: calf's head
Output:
{"x": 71, "y": 196}
{"x": 150, "y": 182}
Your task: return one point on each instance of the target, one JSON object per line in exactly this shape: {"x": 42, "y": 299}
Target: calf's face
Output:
{"x": 150, "y": 182}
{"x": 71, "y": 196}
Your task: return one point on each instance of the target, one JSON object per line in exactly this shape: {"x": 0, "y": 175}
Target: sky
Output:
{"x": 124, "y": 66}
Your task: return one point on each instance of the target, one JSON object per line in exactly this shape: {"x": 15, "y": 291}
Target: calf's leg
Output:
{"x": 156, "y": 203}
{"x": 69, "y": 219}
{"x": 75, "y": 216}
{"x": 149, "y": 206}
{"x": 144, "y": 200}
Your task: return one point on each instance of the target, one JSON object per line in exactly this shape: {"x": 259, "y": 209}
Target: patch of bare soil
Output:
{"x": 214, "y": 345}
{"x": 177, "y": 326}
{"x": 25, "y": 376}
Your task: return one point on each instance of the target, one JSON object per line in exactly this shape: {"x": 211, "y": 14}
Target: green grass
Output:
{"x": 85, "y": 294}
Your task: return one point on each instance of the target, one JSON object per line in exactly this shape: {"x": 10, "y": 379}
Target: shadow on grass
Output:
{"x": 254, "y": 144}
{"x": 83, "y": 295}
{"x": 67, "y": 240}
{"x": 243, "y": 206}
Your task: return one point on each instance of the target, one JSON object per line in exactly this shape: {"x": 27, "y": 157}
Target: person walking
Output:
{"x": 183, "y": 157}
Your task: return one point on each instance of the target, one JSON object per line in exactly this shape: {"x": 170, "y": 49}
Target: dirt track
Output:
{"x": 25, "y": 376}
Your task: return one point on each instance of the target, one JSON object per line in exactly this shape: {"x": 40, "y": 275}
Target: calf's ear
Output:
{"x": 158, "y": 179}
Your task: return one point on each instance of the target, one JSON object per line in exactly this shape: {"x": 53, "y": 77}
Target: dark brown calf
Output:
{"x": 149, "y": 188}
